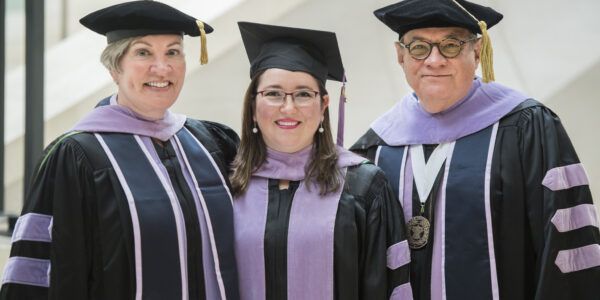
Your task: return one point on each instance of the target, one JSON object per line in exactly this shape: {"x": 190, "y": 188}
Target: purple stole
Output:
{"x": 310, "y": 231}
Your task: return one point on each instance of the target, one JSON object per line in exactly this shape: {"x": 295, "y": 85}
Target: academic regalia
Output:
{"x": 294, "y": 244}
{"x": 511, "y": 211}
{"x": 127, "y": 207}
{"x": 297, "y": 243}
{"x": 119, "y": 209}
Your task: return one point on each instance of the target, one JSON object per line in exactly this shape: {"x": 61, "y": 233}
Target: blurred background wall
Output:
{"x": 545, "y": 48}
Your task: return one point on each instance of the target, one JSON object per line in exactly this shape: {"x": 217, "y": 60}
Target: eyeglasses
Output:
{"x": 449, "y": 48}
{"x": 300, "y": 97}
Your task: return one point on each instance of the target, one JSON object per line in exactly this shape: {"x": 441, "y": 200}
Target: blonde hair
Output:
{"x": 112, "y": 54}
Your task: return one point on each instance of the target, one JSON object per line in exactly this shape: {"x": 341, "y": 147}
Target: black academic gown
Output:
{"x": 91, "y": 252}
{"x": 530, "y": 141}
{"x": 368, "y": 222}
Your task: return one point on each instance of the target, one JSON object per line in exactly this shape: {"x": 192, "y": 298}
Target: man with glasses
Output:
{"x": 498, "y": 204}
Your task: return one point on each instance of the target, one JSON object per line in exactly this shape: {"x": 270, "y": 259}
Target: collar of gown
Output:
{"x": 407, "y": 123}
{"x": 116, "y": 118}
{"x": 292, "y": 166}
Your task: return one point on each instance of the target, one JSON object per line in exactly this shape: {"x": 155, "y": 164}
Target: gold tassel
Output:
{"x": 486, "y": 55}
{"x": 203, "y": 49}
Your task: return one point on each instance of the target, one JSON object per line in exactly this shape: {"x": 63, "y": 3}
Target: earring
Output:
{"x": 254, "y": 129}
{"x": 321, "y": 128}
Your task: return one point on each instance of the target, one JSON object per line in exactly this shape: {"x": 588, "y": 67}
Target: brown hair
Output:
{"x": 252, "y": 152}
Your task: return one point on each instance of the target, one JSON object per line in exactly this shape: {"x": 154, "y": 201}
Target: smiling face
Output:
{"x": 152, "y": 74}
{"x": 439, "y": 82}
{"x": 287, "y": 127}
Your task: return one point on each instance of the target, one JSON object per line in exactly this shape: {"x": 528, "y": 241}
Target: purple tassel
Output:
{"x": 341, "y": 109}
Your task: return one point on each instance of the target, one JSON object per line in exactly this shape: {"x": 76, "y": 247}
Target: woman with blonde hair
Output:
{"x": 134, "y": 201}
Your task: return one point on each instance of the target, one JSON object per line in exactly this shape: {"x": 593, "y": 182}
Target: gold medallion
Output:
{"x": 417, "y": 232}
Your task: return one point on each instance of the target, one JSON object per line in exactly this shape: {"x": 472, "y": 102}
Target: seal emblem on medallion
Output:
{"x": 417, "y": 232}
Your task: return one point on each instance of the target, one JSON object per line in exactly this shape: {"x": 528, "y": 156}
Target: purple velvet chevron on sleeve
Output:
{"x": 398, "y": 255}
{"x": 575, "y": 217}
{"x": 578, "y": 259}
{"x": 566, "y": 177}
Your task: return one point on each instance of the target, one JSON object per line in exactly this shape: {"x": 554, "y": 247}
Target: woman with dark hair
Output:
{"x": 133, "y": 202}
{"x": 312, "y": 220}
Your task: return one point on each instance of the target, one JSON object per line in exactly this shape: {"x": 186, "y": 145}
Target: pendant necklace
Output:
{"x": 418, "y": 227}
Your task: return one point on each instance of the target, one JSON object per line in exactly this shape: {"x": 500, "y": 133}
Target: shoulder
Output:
{"x": 80, "y": 146}
{"x": 366, "y": 142}
{"x": 220, "y": 140}
{"x": 528, "y": 112}
{"x": 71, "y": 151}
{"x": 207, "y": 125}
{"x": 212, "y": 131}
{"x": 365, "y": 170}
{"x": 364, "y": 180}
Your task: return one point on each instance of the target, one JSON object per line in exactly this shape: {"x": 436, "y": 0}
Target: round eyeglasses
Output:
{"x": 449, "y": 48}
{"x": 300, "y": 97}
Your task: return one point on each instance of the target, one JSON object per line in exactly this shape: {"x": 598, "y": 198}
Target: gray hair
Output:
{"x": 112, "y": 54}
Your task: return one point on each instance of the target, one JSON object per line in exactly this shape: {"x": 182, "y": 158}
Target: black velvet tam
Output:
{"x": 138, "y": 18}
{"x": 407, "y": 15}
{"x": 293, "y": 49}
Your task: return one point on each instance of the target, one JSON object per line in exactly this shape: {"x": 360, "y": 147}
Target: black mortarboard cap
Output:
{"x": 295, "y": 49}
{"x": 139, "y": 18}
{"x": 407, "y": 15}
